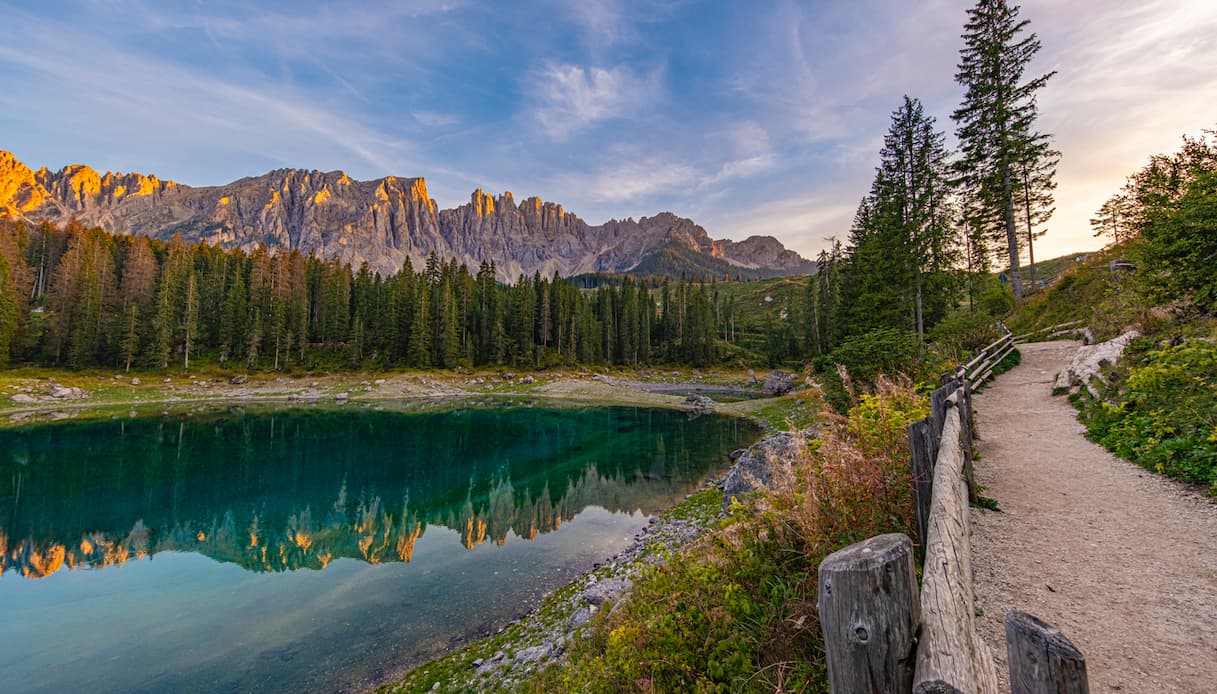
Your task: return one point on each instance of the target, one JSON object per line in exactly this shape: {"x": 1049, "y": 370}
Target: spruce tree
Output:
{"x": 8, "y": 310}
{"x": 996, "y": 121}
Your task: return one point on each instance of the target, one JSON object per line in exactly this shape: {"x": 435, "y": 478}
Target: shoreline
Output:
{"x": 31, "y": 397}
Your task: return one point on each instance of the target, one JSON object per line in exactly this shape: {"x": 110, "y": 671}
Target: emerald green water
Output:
{"x": 312, "y": 549}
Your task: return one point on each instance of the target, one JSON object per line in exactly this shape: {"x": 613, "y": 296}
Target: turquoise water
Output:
{"x": 312, "y": 549}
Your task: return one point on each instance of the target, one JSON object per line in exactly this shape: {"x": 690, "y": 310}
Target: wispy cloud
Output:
{"x": 153, "y": 98}
{"x": 570, "y": 98}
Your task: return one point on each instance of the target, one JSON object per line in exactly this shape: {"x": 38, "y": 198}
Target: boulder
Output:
{"x": 766, "y": 464}
{"x": 23, "y": 399}
{"x": 238, "y": 379}
{"x": 779, "y": 383}
{"x": 1090, "y": 359}
{"x": 135, "y": 381}
{"x": 699, "y": 403}
{"x": 528, "y": 380}
{"x": 67, "y": 392}
{"x": 605, "y": 590}
{"x": 751, "y": 378}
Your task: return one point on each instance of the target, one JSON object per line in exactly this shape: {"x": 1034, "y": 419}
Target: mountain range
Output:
{"x": 383, "y": 223}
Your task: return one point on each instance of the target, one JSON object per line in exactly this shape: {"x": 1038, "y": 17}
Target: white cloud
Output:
{"x": 801, "y": 221}
{"x": 633, "y": 179}
{"x": 570, "y": 98}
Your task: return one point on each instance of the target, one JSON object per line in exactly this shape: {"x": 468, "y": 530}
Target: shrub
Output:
{"x": 961, "y": 333}
{"x": 1166, "y": 417}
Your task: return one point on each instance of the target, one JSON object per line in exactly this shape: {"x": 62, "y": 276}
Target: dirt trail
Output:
{"x": 1122, "y": 561}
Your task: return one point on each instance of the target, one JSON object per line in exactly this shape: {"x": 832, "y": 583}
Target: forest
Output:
{"x": 80, "y": 297}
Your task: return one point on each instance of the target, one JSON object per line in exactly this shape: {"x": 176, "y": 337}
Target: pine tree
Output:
{"x": 234, "y": 315}
{"x": 420, "y": 335}
{"x": 1114, "y": 218}
{"x": 996, "y": 121}
{"x": 190, "y": 318}
{"x": 137, "y": 292}
{"x": 911, "y": 207}
{"x": 8, "y": 310}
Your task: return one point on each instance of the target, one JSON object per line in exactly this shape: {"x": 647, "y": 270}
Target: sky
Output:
{"x": 749, "y": 117}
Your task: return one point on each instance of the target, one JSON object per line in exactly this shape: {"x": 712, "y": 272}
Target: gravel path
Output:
{"x": 1122, "y": 561}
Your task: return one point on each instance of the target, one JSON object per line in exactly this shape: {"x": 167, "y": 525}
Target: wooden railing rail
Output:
{"x": 1049, "y": 329}
{"x": 870, "y": 603}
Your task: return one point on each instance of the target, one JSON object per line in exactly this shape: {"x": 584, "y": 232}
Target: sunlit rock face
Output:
{"x": 382, "y": 222}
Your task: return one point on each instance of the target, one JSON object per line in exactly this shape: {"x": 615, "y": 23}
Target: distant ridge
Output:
{"x": 383, "y": 223}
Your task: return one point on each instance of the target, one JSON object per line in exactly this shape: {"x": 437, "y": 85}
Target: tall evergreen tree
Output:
{"x": 8, "y": 310}
{"x": 996, "y": 121}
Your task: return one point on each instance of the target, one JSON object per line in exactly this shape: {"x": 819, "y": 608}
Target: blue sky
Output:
{"x": 751, "y": 118}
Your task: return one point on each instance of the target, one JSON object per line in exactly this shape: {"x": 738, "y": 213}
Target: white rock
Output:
{"x": 1090, "y": 359}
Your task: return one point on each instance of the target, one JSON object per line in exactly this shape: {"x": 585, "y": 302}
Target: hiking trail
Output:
{"x": 1122, "y": 561}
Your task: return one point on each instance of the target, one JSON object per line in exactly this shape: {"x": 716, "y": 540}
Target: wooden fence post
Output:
{"x": 938, "y": 407}
{"x": 922, "y": 455}
{"x": 965, "y": 424}
{"x": 1042, "y": 659}
{"x": 869, "y": 612}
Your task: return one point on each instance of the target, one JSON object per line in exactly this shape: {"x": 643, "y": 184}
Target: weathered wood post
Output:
{"x": 922, "y": 454}
{"x": 965, "y": 425}
{"x": 1042, "y": 659}
{"x": 869, "y": 612}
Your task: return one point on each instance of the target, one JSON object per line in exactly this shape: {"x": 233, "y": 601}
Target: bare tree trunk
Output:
{"x": 1011, "y": 231}
{"x": 1030, "y": 235}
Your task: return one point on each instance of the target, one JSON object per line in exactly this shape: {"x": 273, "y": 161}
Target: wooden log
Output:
{"x": 950, "y": 655}
{"x": 1042, "y": 659}
{"x": 869, "y": 613}
{"x": 921, "y": 459}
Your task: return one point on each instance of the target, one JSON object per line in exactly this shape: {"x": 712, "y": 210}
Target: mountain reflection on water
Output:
{"x": 297, "y": 489}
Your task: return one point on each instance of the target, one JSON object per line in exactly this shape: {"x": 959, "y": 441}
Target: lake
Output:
{"x": 312, "y": 549}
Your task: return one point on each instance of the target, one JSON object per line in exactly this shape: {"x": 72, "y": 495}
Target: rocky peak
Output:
{"x": 382, "y": 222}
{"x": 20, "y": 191}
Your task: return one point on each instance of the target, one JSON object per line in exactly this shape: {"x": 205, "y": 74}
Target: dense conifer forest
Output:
{"x": 80, "y": 297}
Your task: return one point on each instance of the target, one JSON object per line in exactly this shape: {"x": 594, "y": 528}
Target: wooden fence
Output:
{"x": 1052, "y": 331}
{"x": 882, "y": 632}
